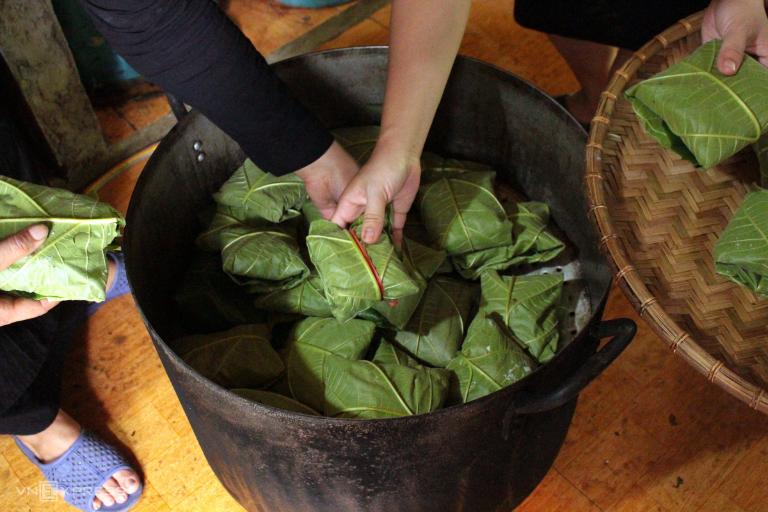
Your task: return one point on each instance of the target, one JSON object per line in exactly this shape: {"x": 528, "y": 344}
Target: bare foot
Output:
{"x": 52, "y": 442}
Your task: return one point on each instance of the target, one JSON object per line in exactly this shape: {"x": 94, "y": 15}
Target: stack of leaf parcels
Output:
{"x": 352, "y": 330}
{"x": 707, "y": 117}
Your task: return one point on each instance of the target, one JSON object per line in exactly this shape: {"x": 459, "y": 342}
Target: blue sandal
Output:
{"x": 84, "y": 469}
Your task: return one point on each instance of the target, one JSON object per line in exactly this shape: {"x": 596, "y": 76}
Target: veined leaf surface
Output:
{"x": 311, "y": 342}
{"x": 489, "y": 361}
{"x": 527, "y": 305}
{"x": 368, "y": 390}
{"x": 434, "y": 332}
{"x": 698, "y": 112}
{"x": 71, "y": 264}
{"x": 353, "y": 273}
{"x": 241, "y": 357}
{"x": 741, "y": 254}
{"x": 258, "y": 195}
{"x": 461, "y": 213}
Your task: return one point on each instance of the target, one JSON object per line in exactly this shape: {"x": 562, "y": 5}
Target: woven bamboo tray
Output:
{"x": 659, "y": 219}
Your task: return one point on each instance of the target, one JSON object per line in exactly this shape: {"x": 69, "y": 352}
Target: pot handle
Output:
{"x": 621, "y": 331}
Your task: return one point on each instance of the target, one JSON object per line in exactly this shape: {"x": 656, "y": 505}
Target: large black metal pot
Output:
{"x": 483, "y": 456}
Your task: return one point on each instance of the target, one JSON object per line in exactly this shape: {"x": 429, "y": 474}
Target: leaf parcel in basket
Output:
{"x": 208, "y": 300}
{"x": 528, "y": 306}
{"x": 241, "y": 357}
{"x": 701, "y": 114}
{"x": 533, "y": 243}
{"x": 461, "y": 213}
{"x": 311, "y": 342}
{"x": 741, "y": 254}
{"x": 422, "y": 262}
{"x": 356, "y": 275}
{"x": 489, "y": 361}
{"x": 307, "y": 298}
{"x": 262, "y": 257}
{"x": 274, "y": 400}
{"x": 71, "y": 264}
{"x": 368, "y": 390}
{"x": 257, "y": 195}
{"x": 435, "y": 330}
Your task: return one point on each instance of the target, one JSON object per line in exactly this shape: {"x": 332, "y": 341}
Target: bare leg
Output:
{"x": 592, "y": 64}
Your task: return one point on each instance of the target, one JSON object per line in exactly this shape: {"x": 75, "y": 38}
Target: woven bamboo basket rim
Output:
{"x": 680, "y": 341}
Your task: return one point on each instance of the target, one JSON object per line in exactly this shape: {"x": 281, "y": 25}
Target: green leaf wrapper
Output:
{"x": 489, "y": 361}
{"x": 312, "y": 341}
{"x": 71, "y": 264}
{"x": 241, "y": 357}
{"x": 355, "y": 274}
{"x": 528, "y": 306}
{"x": 262, "y": 257}
{"x": 741, "y": 254}
{"x": 260, "y": 196}
{"x": 368, "y": 390}
{"x": 701, "y": 114}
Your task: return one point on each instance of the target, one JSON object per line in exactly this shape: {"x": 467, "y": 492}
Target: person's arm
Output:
{"x": 743, "y": 27}
{"x": 424, "y": 39}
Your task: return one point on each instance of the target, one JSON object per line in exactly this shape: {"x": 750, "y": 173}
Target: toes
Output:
{"x": 115, "y": 491}
{"x": 96, "y": 503}
{"x": 103, "y": 496}
{"x": 128, "y": 480}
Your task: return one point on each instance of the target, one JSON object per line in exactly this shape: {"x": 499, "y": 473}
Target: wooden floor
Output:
{"x": 650, "y": 434}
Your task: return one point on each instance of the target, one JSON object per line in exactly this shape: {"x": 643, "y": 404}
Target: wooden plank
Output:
{"x": 36, "y": 51}
{"x": 329, "y": 29}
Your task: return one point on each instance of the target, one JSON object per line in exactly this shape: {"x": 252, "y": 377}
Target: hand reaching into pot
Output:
{"x": 384, "y": 179}
{"x": 327, "y": 177}
{"x": 423, "y": 46}
{"x": 12, "y": 249}
{"x": 743, "y": 27}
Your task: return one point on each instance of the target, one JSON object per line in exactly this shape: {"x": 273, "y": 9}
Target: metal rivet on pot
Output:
{"x": 200, "y": 156}
{"x": 197, "y": 145}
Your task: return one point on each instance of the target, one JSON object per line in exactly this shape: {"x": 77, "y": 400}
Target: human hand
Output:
{"x": 12, "y": 249}
{"x": 742, "y": 25}
{"x": 327, "y": 177}
{"x": 383, "y": 179}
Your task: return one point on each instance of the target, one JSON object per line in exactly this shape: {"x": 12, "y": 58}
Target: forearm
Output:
{"x": 424, "y": 39}
{"x": 191, "y": 49}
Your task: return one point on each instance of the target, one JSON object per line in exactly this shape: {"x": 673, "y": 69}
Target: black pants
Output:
{"x": 624, "y": 23}
{"x": 31, "y": 352}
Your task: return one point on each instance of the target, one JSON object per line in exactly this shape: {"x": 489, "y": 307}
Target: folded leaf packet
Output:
{"x": 435, "y": 330}
{"x": 71, "y": 264}
{"x": 256, "y": 195}
{"x": 369, "y": 390}
{"x": 741, "y": 254}
{"x": 262, "y": 257}
{"x": 307, "y": 298}
{"x": 528, "y": 306}
{"x": 489, "y": 361}
{"x": 532, "y": 243}
{"x": 461, "y": 212}
{"x": 701, "y": 114}
{"x": 241, "y": 357}
{"x": 312, "y": 341}
{"x": 356, "y": 275}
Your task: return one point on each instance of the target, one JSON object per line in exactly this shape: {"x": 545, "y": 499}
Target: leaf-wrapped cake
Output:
{"x": 72, "y": 263}
{"x": 701, "y": 114}
{"x": 375, "y": 331}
